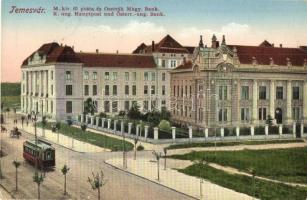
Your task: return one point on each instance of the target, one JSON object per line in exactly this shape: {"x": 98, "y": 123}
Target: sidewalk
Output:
{"x": 62, "y": 140}
{"x": 171, "y": 178}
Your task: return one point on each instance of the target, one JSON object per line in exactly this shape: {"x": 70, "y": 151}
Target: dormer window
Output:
{"x": 288, "y": 62}
{"x": 254, "y": 61}
{"x": 271, "y": 61}
{"x": 68, "y": 75}
{"x": 85, "y": 75}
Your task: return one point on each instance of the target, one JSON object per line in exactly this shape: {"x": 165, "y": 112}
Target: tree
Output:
{"x": 136, "y": 140}
{"x": 97, "y": 182}
{"x": 102, "y": 115}
{"x": 83, "y": 127}
{"x": 44, "y": 124}
{"x": 157, "y": 156}
{"x": 154, "y": 118}
{"x": 65, "y": 170}
{"x": 38, "y": 179}
{"x": 16, "y": 165}
{"x": 22, "y": 120}
{"x": 89, "y": 106}
{"x": 165, "y": 125}
{"x": 165, "y": 152}
{"x": 134, "y": 112}
{"x": 165, "y": 114}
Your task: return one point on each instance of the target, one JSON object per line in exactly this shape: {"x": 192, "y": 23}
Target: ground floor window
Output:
{"x": 114, "y": 106}
{"x": 262, "y": 114}
{"x": 222, "y": 115}
{"x": 245, "y": 114}
{"x": 127, "y": 105}
{"x": 296, "y": 115}
{"x": 68, "y": 107}
{"x": 106, "y": 106}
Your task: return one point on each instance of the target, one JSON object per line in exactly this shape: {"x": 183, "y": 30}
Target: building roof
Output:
{"x": 186, "y": 65}
{"x": 55, "y": 53}
{"x": 167, "y": 45}
{"x": 263, "y": 55}
{"x": 117, "y": 60}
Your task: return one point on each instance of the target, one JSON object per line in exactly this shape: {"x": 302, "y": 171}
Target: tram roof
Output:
{"x": 40, "y": 144}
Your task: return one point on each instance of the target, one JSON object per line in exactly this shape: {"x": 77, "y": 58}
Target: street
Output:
{"x": 120, "y": 185}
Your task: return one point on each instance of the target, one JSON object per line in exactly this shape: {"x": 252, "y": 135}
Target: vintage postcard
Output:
{"x": 153, "y": 99}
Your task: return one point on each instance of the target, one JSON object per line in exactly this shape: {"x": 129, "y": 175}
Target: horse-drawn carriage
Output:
{"x": 15, "y": 132}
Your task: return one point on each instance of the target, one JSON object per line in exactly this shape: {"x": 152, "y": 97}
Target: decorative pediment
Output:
{"x": 37, "y": 59}
{"x": 225, "y": 67}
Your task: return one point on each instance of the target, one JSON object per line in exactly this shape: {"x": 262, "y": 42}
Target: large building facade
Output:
{"x": 56, "y": 80}
{"x": 233, "y": 85}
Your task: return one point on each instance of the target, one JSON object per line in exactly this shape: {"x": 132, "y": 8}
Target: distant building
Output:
{"x": 56, "y": 80}
{"x": 234, "y": 85}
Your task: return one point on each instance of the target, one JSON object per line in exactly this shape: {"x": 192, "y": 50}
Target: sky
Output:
{"x": 245, "y": 22}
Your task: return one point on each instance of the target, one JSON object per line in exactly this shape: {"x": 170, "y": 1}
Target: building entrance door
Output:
{"x": 278, "y": 115}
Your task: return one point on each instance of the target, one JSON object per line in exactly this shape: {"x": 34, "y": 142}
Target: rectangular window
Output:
{"x": 134, "y": 76}
{"x": 106, "y": 90}
{"x": 177, "y": 90}
{"x": 163, "y": 76}
{"x": 296, "y": 115}
{"x": 68, "y": 107}
{"x": 223, "y": 92}
{"x": 114, "y": 77}
{"x": 262, "y": 92}
{"x": 163, "y": 102}
{"x": 145, "y": 105}
{"x": 146, "y": 76}
{"x": 127, "y": 105}
{"x": 190, "y": 91}
{"x": 244, "y": 93}
{"x": 114, "y": 106}
{"x": 245, "y": 115}
{"x": 68, "y": 90}
{"x": 107, "y": 106}
{"x": 174, "y": 90}
{"x": 94, "y": 89}
{"x": 153, "y": 76}
{"x": 153, "y": 89}
{"x": 145, "y": 89}
{"x": 295, "y": 93}
{"x": 51, "y": 75}
{"x": 107, "y": 76}
{"x": 51, "y": 89}
{"x": 127, "y": 76}
{"x": 126, "y": 89}
{"x": 279, "y": 93}
{"x": 114, "y": 89}
{"x": 163, "y": 89}
{"x": 134, "y": 90}
{"x": 153, "y": 105}
{"x": 85, "y": 75}
{"x": 262, "y": 113}
{"x": 68, "y": 75}
{"x": 163, "y": 63}
{"x": 51, "y": 107}
{"x": 94, "y": 76}
{"x": 222, "y": 115}
{"x": 86, "y": 90}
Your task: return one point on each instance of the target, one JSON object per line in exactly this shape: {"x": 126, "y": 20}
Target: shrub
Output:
{"x": 102, "y": 115}
{"x": 165, "y": 125}
{"x": 140, "y": 148}
{"x": 69, "y": 122}
{"x": 121, "y": 113}
{"x": 83, "y": 127}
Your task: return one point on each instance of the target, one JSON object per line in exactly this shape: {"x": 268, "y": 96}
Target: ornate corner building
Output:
{"x": 233, "y": 85}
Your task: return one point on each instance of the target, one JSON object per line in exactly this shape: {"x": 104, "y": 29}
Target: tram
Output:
{"x": 42, "y": 153}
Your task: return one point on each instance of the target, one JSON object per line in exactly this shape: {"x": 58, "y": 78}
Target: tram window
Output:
{"x": 48, "y": 155}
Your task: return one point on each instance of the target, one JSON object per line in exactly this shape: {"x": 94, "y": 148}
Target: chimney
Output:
{"x": 280, "y": 45}
{"x": 201, "y": 43}
{"x": 97, "y": 50}
{"x": 153, "y": 46}
{"x": 73, "y": 48}
{"x": 214, "y": 42}
{"x": 272, "y": 44}
{"x": 223, "y": 40}
{"x": 116, "y": 51}
{"x": 61, "y": 44}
